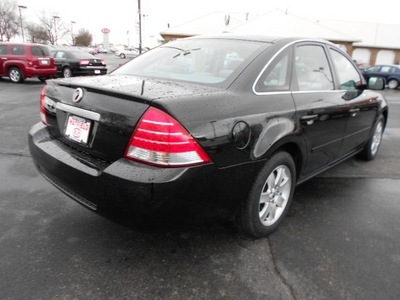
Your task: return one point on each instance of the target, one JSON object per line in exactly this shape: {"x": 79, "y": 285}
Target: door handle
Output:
{"x": 353, "y": 112}
{"x": 309, "y": 119}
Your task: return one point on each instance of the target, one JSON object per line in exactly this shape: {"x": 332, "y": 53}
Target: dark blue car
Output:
{"x": 391, "y": 73}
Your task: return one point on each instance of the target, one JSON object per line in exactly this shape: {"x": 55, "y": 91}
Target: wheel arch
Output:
{"x": 295, "y": 148}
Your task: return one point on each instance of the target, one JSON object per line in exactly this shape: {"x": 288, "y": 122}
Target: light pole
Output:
{"x": 55, "y": 29}
{"x": 72, "y": 32}
{"x": 20, "y": 21}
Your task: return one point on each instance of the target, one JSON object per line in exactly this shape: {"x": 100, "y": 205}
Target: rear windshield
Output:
{"x": 204, "y": 61}
{"x": 40, "y": 51}
{"x": 81, "y": 54}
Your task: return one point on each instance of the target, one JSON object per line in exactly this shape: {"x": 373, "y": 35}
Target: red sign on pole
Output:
{"x": 105, "y": 30}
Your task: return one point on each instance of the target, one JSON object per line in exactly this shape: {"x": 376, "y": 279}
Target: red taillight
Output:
{"x": 103, "y": 62}
{"x": 84, "y": 62}
{"x": 161, "y": 140}
{"x": 43, "y": 97}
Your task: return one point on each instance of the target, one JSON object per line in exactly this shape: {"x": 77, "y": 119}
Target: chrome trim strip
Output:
{"x": 78, "y": 111}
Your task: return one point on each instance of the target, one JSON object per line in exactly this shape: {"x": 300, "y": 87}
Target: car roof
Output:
{"x": 23, "y": 44}
{"x": 259, "y": 38}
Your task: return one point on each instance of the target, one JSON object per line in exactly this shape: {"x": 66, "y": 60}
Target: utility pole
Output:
{"x": 140, "y": 27}
{"x": 20, "y": 21}
{"x": 55, "y": 29}
{"x": 72, "y": 32}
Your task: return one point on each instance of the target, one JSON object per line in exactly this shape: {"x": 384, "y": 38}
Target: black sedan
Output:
{"x": 227, "y": 123}
{"x": 78, "y": 63}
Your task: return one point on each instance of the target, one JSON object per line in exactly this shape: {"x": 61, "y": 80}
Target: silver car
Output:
{"x": 129, "y": 52}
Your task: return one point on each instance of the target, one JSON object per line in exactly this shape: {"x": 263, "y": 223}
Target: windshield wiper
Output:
{"x": 184, "y": 52}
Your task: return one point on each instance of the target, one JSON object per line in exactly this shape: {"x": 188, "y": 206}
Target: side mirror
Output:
{"x": 376, "y": 83}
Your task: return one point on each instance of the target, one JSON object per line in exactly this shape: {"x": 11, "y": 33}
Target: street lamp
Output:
{"x": 55, "y": 29}
{"x": 20, "y": 21}
{"x": 72, "y": 32}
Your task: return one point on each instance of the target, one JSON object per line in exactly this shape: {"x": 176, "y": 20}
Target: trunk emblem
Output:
{"x": 78, "y": 95}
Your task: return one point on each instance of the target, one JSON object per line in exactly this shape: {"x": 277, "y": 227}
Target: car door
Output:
{"x": 360, "y": 107}
{"x": 320, "y": 108}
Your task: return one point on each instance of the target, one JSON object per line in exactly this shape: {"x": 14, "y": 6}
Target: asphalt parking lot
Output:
{"x": 341, "y": 239}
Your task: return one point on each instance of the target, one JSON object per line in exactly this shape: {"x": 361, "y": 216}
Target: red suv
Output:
{"x": 22, "y": 60}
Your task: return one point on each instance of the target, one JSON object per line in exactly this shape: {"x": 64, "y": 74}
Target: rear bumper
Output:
{"x": 130, "y": 186}
{"x": 90, "y": 71}
{"x": 32, "y": 72}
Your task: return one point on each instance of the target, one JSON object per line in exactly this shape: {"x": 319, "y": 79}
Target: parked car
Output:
{"x": 19, "y": 61}
{"x": 129, "y": 52}
{"x": 227, "y": 123}
{"x": 78, "y": 63}
{"x": 391, "y": 73}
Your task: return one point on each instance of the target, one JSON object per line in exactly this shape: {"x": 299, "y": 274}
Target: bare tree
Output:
{"x": 37, "y": 34}
{"x": 54, "y": 27}
{"x": 83, "y": 38}
{"x": 9, "y": 25}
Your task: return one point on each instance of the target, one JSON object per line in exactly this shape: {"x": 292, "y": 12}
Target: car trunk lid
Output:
{"x": 97, "y": 116}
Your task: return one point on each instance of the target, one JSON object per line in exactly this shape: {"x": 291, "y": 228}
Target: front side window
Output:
{"x": 349, "y": 78}
{"x": 3, "y": 49}
{"x": 387, "y": 69}
{"x": 312, "y": 68}
{"x": 373, "y": 69}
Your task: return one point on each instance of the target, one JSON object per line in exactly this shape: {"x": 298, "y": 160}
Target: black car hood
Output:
{"x": 146, "y": 88}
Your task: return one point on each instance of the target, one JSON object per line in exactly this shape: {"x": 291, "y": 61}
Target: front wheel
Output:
{"x": 270, "y": 197}
{"x": 371, "y": 148}
{"x": 393, "y": 84}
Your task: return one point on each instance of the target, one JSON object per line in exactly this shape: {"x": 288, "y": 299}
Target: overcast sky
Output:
{"x": 121, "y": 15}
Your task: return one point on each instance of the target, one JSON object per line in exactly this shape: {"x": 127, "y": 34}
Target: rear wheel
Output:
{"x": 122, "y": 55}
{"x": 270, "y": 196}
{"x": 371, "y": 148}
{"x": 393, "y": 84}
{"x": 15, "y": 75}
{"x": 67, "y": 73}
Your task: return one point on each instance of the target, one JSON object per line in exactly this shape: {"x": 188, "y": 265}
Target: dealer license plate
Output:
{"x": 44, "y": 61}
{"x": 78, "y": 129}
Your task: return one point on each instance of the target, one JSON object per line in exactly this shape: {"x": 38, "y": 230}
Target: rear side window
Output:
{"x": 277, "y": 75}
{"x": 349, "y": 78}
{"x": 40, "y": 51}
{"x": 18, "y": 50}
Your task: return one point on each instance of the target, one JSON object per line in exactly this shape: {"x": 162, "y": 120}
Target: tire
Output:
{"x": 122, "y": 55}
{"x": 371, "y": 149}
{"x": 43, "y": 79}
{"x": 270, "y": 197}
{"x": 67, "y": 73}
{"x": 15, "y": 75}
{"x": 393, "y": 84}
